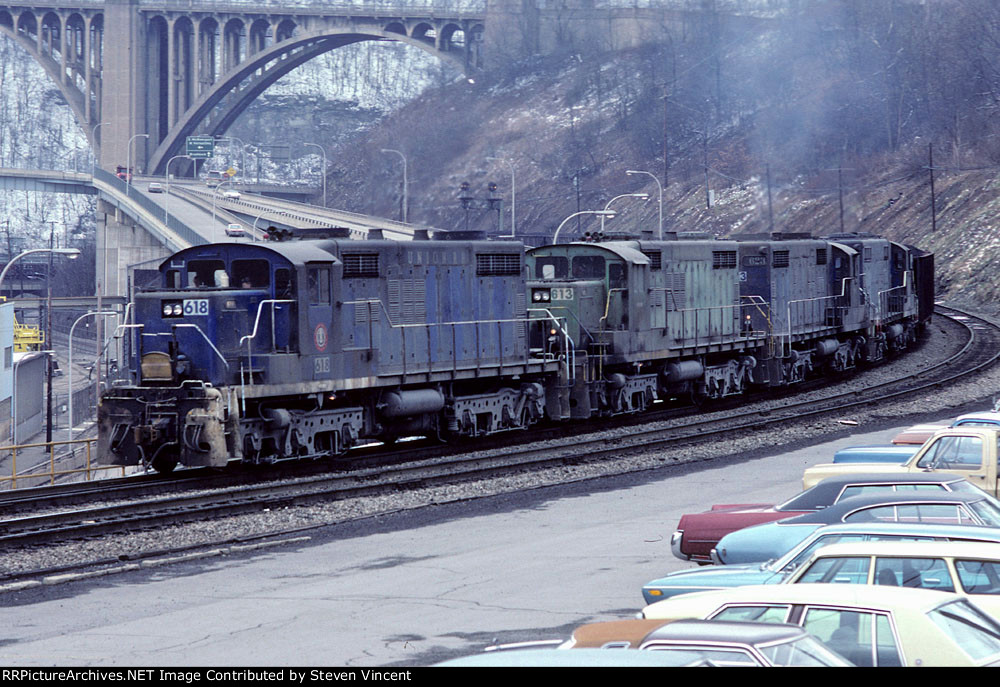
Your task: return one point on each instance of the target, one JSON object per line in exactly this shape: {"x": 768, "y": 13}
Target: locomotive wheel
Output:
{"x": 164, "y": 464}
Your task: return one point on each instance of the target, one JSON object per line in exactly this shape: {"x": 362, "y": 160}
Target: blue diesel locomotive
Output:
{"x": 301, "y": 348}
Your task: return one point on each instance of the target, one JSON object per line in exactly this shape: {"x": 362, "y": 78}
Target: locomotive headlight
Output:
{"x": 177, "y": 309}
{"x": 541, "y": 296}
{"x": 167, "y": 310}
{"x": 536, "y": 296}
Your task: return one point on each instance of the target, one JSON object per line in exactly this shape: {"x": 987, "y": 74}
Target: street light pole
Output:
{"x": 128, "y": 161}
{"x": 659, "y": 187}
{"x": 405, "y": 203}
{"x": 94, "y": 140}
{"x": 215, "y": 194}
{"x": 602, "y": 213}
{"x": 70, "y": 364}
{"x": 513, "y": 197}
{"x": 644, "y": 196}
{"x": 323, "y": 152}
{"x": 71, "y": 253}
{"x": 166, "y": 201}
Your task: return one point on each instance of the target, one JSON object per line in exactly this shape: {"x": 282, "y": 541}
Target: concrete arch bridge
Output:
{"x": 142, "y": 75}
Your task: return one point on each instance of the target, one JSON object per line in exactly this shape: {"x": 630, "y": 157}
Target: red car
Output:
{"x": 698, "y": 533}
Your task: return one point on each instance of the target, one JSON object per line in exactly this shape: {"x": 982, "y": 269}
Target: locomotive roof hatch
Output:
{"x": 626, "y": 251}
{"x": 844, "y": 247}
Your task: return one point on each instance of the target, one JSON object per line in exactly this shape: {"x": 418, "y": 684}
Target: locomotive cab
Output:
{"x": 215, "y": 304}
{"x": 222, "y": 316}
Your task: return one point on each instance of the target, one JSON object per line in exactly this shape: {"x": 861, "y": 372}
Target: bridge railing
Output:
{"x": 172, "y": 223}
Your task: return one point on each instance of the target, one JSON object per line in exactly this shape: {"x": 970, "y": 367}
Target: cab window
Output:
{"x": 588, "y": 267}
{"x": 202, "y": 273}
{"x": 251, "y": 273}
{"x": 319, "y": 285}
{"x": 283, "y": 286}
{"x": 616, "y": 276}
{"x": 555, "y": 267}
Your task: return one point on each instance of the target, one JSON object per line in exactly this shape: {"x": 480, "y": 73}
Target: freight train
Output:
{"x": 304, "y": 347}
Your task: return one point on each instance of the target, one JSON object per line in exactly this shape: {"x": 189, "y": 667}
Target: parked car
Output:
{"x": 778, "y": 570}
{"x": 698, "y": 533}
{"x": 893, "y": 453}
{"x": 718, "y": 642}
{"x": 868, "y": 625}
{"x": 919, "y": 434}
{"x": 235, "y": 230}
{"x": 966, "y": 568}
{"x": 155, "y": 187}
{"x": 770, "y": 540}
{"x": 970, "y": 451}
{"x": 581, "y": 658}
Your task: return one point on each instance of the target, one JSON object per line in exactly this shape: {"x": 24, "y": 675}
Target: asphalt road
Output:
{"x": 403, "y": 590}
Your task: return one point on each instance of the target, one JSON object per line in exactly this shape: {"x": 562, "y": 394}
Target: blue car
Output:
{"x": 776, "y": 570}
{"x": 770, "y": 540}
{"x": 893, "y": 453}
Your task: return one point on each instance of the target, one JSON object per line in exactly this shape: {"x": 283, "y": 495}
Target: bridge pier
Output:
{"x": 122, "y": 245}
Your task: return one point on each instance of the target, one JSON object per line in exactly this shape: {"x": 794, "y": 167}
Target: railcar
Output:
{"x": 302, "y": 348}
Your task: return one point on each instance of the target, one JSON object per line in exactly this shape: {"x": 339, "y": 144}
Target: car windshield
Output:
{"x": 806, "y": 651}
{"x": 800, "y": 554}
{"x": 988, "y": 511}
{"x": 973, "y": 631}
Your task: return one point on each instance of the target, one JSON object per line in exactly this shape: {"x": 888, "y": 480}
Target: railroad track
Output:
{"x": 427, "y": 467}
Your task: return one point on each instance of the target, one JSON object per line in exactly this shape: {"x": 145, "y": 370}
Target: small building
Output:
{"x": 28, "y": 380}
{"x": 7, "y": 370}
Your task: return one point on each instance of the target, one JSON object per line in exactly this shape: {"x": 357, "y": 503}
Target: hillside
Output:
{"x": 819, "y": 117}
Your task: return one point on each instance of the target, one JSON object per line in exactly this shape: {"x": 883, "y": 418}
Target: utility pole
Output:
{"x": 840, "y": 196}
{"x": 930, "y": 168}
{"x": 704, "y": 146}
{"x": 770, "y": 211}
{"x": 48, "y": 335}
{"x": 666, "y": 147}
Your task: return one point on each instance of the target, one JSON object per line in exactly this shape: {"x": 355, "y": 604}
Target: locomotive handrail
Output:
{"x": 570, "y": 361}
{"x": 843, "y": 293}
{"x": 196, "y": 327}
{"x": 884, "y": 293}
{"x": 427, "y": 325}
{"x": 250, "y": 337}
{"x": 260, "y": 309}
{"x": 732, "y": 306}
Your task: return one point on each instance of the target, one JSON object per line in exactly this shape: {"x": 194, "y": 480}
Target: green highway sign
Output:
{"x": 200, "y": 147}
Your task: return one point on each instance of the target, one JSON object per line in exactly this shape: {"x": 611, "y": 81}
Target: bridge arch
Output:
{"x": 22, "y": 29}
{"x": 215, "y": 108}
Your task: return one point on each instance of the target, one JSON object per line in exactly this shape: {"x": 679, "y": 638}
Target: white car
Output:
{"x": 968, "y": 568}
{"x": 868, "y": 625}
{"x": 235, "y": 230}
{"x": 231, "y": 193}
{"x": 155, "y": 187}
